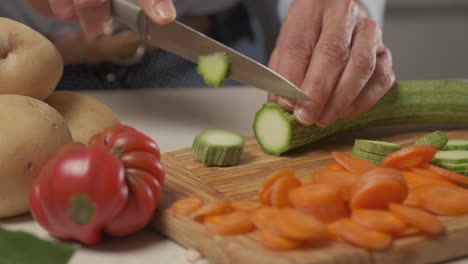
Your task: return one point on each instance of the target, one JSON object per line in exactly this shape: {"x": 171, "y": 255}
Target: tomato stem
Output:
{"x": 81, "y": 209}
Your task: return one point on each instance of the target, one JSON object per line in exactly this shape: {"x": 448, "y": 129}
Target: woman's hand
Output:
{"x": 95, "y": 15}
{"x": 335, "y": 53}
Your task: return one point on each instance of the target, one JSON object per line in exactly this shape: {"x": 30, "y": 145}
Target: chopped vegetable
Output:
{"x": 456, "y": 144}
{"x": 296, "y": 225}
{"x": 214, "y": 68}
{"x": 438, "y": 139}
{"x": 418, "y": 218}
{"x": 449, "y": 175}
{"x": 246, "y": 205}
{"x": 217, "y": 147}
{"x": 376, "y": 147}
{"x": 334, "y": 166}
{"x": 409, "y": 157}
{"x": 233, "y": 223}
{"x": 280, "y": 190}
{"x": 443, "y": 200}
{"x": 214, "y": 208}
{"x": 186, "y": 206}
{"x": 265, "y": 190}
{"x": 414, "y": 179}
{"x": 374, "y": 158}
{"x": 355, "y": 165}
{"x": 343, "y": 179}
{"x": 263, "y": 215}
{"x": 272, "y": 240}
{"x": 378, "y": 220}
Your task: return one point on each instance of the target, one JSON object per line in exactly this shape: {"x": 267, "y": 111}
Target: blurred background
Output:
{"x": 428, "y": 38}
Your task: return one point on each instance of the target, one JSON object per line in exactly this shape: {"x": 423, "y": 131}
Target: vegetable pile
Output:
{"x": 351, "y": 200}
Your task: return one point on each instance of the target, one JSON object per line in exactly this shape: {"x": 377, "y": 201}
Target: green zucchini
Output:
{"x": 377, "y": 147}
{"x": 456, "y": 144}
{"x": 214, "y": 68}
{"x": 375, "y": 158}
{"x": 451, "y": 156}
{"x": 437, "y": 138}
{"x": 407, "y": 102}
{"x": 217, "y": 147}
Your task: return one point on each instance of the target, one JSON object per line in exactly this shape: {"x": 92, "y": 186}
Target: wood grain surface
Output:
{"x": 187, "y": 177}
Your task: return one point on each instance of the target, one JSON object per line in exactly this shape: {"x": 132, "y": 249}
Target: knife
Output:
{"x": 189, "y": 44}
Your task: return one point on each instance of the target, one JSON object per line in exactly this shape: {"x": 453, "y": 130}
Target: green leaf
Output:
{"x": 23, "y": 248}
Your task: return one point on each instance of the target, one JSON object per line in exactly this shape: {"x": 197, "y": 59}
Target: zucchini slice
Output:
{"x": 214, "y": 68}
{"x": 376, "y": 147}
{"x": 437, "y": 138}
{"x": 456, "y": 144}
{"x": 217, "y": 147}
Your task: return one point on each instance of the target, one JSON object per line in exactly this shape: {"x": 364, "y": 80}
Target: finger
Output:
{"x": 63, "y": 10}
{"x": 367, "y": 42}
{"x": 273, "y": 64}
{"x": 160, "y": 11}
{"x": 328, "y": 61}
{"x": 42, "y": 7}
{"x": 295, "y": 48}
{"x": 378, "y": 86}
{"x": 94, "y": 15}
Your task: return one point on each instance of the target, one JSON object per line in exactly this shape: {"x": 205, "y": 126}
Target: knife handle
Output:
{"x": 131, "y": 13}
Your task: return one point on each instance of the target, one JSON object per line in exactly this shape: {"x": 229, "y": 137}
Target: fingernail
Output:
{"x": 305, "y": 114}
{"x": 286, "y": 103}
{"x": 165, "y": 10}
{"x": 271, "y": 97}
{"x": 325, "y": 118}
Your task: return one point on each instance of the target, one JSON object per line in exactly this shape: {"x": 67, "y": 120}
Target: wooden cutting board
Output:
{"x": 188, "y": 177}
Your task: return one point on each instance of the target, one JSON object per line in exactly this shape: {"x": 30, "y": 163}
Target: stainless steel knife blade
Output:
{"x": 188, "y": 43}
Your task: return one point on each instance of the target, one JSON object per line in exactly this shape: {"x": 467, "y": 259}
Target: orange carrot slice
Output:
{"x": 412, "y": 199}
{"x": 297, "y": 225}
{"x": 358, "y": 235}
{"x": 448, "y": 175}
{"x": 186, "y": 206}
{"x": 246, "y": 205}
{"x": 343, "y": 179}
{"x": 261, "y": 217}
{"x": 409, "y": 231}
{"x": 427, "y": 173}
{"x": 418, "y": 218}
{"x": 233, "y": 223}
{"x": 306, "y": 180}
{"x": 274, "y": 241}
{"x": 334, "y": 166}
{"x": 446, "y": 200}
{"x": 320, "y": 200}
{"x": 409, "y": 157}
{"x": 214, "y": 208}
{"x": 280, "y": 190}
{"x": 377, "y": 188}
{"x": 415, "y": 180}
{"x": 353, "y": 164}
{"x": 378, "y": 220}
{"x": 265, "y": 189}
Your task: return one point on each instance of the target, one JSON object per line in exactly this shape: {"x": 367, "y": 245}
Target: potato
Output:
{"x": 31, "y": 132}
{"x": 30, "y": 64}
{"x": 84, "y": 115}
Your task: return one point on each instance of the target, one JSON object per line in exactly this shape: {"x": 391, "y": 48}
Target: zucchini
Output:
{"x": 456, "y": 144}
{"x": 461, "y": 168}
{"x": 217, "y": 147}
{"x": 214, "y": 68}
{"x": 450, "y": 157}
{"x": 437, "y": 138}
{"x": 375, "y": 158}
{"x": 407, "y": 102}
{"x": 376, "y": 147}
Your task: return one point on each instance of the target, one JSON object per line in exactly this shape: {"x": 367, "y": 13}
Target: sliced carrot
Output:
{"x": 274, "y": 241}
{"x": 297, "y": 225}
{"x": 186, "y": 206}
{"x": 418, "y": 218}
{"x": 358, "y": 235}
{"x": 246, "y": 205}
{"x": 414, "y": 179}
{"x": 409, "y": 231}
{"x": 448, "y": 175}
{"x": 334, "y": 166}
{"x": 233, "y": 223}
{"x": 412, "y": 199}
{"x": 263, "y": 215}
{"x": 280, "y": 190}
{"x": 378, "y": 220}
{"x": 446, "y": 200}
{"x": 343, "y": 179}
{"x": 409, "y": 157}
{"x": 353, "y": 164}
{"x": 377, "y": 188}
{"x": 320, "y": 200}
{"x": 265, "y": 189}
{"x": 306, "y": 180}
{"x": 427, "y": 173}
{"x": 214, "y": 208}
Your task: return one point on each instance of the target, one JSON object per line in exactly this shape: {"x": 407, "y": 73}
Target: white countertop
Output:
{"x": 172, "y": 118}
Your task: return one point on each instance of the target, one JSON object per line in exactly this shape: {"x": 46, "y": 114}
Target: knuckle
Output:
{"x": 90, "y": 4}
{"x": 364, "y": 61}
{"x": 337, "y": 52}
{"x": 298, "y": 48}
{"x": 387, "y": 79}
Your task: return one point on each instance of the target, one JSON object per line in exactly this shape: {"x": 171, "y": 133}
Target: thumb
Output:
{"x": 160, "y": 11}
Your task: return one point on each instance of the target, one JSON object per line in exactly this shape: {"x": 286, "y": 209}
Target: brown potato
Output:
{"x": 31, "y": 132}
{"x": 84, "y": 115}
{"x": 30, "y": 64}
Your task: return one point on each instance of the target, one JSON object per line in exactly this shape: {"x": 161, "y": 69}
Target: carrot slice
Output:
{"x": 358, "y": 235}
{"x": 412, "y": 199}
{"x": 214, "y": 208}
{"x": 418, "y": 218}
{"x": 414, "y": 180}
{"x": 377, "y": 188}
{"x": 320, "y": 200}
{"x": 281, "y": 188}
{"x": 427, "y": 173}
{"x": 306, "y": 180}
{"x": 353, "y": 164}
{"x": 186, "y": 206}
{"x": 297, "y": 225}
{"x": 334, "y": 166}
{"x": 261, "y": 217}
{"x": 446, "y": 200}
{"x": 409, "y": 157}
{"x": 233, "y": 223}
{"x": 378, "y": 220}
{"x": 246, "y": 205}
{"x": 409, "y": 231}
{"x": 274, "y": 241}
{"x": 265, "y": 189}
{"x": 448, "y": 175}
{"x": 343, "y": 179}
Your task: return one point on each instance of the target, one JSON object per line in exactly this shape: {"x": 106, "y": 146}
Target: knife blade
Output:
{"x": 189, "y": 44}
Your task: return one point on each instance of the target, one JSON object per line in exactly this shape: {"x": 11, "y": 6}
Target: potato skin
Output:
{"x": 85, "y": 116}
{"x": 31, "y": 132}
{"x": 30, "y": 64}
